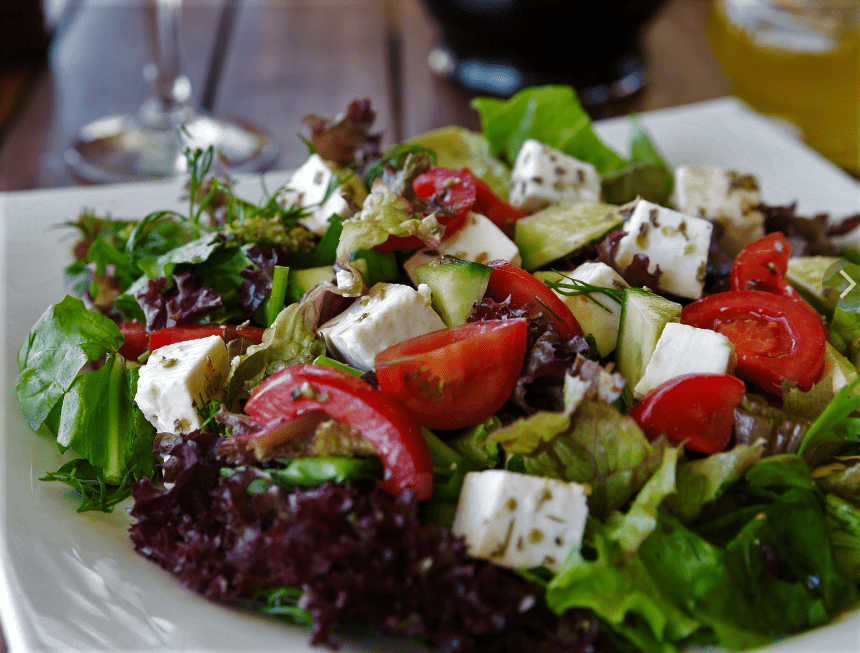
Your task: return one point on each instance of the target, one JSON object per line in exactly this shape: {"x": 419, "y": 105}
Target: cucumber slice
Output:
{"x": 300, "y": 281}
{"x": 456, "y": 286}
{"x": 643, "y": 316}
{"x": 563, "y": 228}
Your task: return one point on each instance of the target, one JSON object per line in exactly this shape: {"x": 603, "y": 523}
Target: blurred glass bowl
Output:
{"x": 499, "y": 47}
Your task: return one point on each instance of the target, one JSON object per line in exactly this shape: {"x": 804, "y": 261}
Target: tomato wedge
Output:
{"x": 134, "y": 341}
{"x": 694, "y": 409}
{"x": 173, "y": 334}
{"x": 776, "y": 338}
{"x": 454, "y": 191}
{"x": 527, "y": 291}
{"x": 456, "y": 377}
{"x": 762, "y": 265}
{"x": 488, "y": 204}
{"x": 387, "y": 426}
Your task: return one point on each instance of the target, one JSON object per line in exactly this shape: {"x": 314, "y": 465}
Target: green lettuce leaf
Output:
{"x": 646, "y": 174}
{"x": 840, "y": 475}
{"x": 60, "y": 344}
{"x": 843, "y": 521}
{"x": 383, "y": 214}
{"x": 550, "y": 114}
{"x": 597, "y": 445}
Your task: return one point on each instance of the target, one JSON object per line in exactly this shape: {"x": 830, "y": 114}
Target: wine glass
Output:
{"x": 150, "y": 143}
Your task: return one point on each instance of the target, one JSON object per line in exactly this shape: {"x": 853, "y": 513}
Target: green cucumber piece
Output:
{"x": 300, "y": 281}
{"x": 563, "y": 228}
{"x": 643, "y": 316}
{"x": 456, "y": 286}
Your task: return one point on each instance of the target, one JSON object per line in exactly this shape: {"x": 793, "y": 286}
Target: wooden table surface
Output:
{"x": 282, "y": 59}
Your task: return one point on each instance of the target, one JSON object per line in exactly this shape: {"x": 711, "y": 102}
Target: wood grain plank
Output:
{"x": 291, "y": 58}
{"x": 96, "y": 68}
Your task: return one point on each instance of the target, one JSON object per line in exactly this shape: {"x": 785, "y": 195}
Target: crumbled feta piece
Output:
{"x": 725, "y": 196}
{"x": 479, "y": 240}
{"x": 600, "y": 320}
{"x": 543, "y": 175}
{"x": 520, "y": 521}
{"x": 178, "y": 380}
{"x": 390, "y": 313}
{"x": 684, "y": 349}
{"x": 313, "y": 187}
{"x": 676, "y": 242}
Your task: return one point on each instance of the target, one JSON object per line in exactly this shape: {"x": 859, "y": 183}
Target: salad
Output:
{"x": 421, "y": 391}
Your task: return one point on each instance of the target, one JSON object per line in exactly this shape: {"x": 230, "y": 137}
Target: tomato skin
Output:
{"x": 526, "y": 290}
{"x": 386, "y": 425}
{"x": 134, "y": 340}
{"x": 171, "y": 335}
{"x": 453, "y": 190}
{"x": 776, "y": 338}
{"x": 762, "y": 265}
{"x": 488, "y": 204}
{"x": 455, "y": 377}
{"x": 696, "y": 409}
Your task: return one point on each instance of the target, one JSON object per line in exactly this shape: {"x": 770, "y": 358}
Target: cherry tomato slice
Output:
{"x": 134, "y": 340}
{"x": 456, "y": 377}
{"x": 776, "y": 338}
{"x": 488, "y": 204}
{"x": 526, "y": 290}
{"x": 762, "y": 265}
{"x": 696, "y": 409}
{"x": 173, "y": 334}
{"x": 454, "y": 191}
{"x": 387, "y": 426}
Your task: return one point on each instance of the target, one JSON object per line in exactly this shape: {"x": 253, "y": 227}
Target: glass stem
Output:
{"x": 170, "y": 86}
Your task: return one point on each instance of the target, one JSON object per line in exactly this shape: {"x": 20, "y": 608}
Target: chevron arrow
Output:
{"x": 851, "y": 284}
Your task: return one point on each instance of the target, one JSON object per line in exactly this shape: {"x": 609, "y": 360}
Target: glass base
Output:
{"x": 125, "y": 148}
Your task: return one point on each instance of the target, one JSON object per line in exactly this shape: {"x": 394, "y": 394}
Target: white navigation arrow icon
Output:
{"x": 851, "y": 284}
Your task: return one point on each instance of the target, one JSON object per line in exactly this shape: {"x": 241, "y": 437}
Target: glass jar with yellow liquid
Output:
{"x": 798, "y": 60}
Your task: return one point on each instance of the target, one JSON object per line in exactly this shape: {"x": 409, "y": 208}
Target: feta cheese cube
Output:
{"x": 543, "y": 175}
{"x": 479, "y": 240}
{"x": 178, "y": 380}
{"x": 684, "y": 349}
{"x": 310, "y": 187}
{"x": 676, "y": 242}
{"x": 600, "y": 320}
{"x": 520, "y": 521}
{"x": 725, "y": 196}
{"x": 390, "y": 313}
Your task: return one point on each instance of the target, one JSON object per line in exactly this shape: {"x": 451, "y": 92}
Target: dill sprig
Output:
{"x": 571, "y": 287}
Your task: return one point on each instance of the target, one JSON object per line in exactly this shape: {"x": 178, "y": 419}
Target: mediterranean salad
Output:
{"x": 487, "y": 391}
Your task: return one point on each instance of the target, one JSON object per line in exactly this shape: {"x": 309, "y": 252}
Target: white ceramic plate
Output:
{"x": 71, "y": 581}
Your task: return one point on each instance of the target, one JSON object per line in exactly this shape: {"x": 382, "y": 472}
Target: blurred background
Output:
{"x": 66, "y": 62}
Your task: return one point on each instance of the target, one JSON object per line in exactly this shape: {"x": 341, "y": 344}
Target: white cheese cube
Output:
{"x": 684, "y": 349}
{"x": 600, "y": 320}
{"x": 543, "y": 175}
{"x": 520, "y": 521}
{"x": 178, "y": 380}
{"x": 390, "y": 313}
{"x": 676, "y": 242}
{"x": 725, "y": 196}
{"x": 479, "y": 240}
{"x": 310, "y": 187}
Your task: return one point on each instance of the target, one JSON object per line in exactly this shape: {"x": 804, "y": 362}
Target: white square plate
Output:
{"x": 72, "y": 581}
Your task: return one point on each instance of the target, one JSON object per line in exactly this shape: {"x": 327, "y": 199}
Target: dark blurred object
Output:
{"x": 23, "y": 36}
{"x": 501, "y": 46}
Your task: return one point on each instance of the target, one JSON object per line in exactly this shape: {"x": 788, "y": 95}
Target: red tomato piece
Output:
{"x": 776, "y": 338}
{"x": 454, "y": 191}
{"x": 455, "y": 377}
{"x": 762, "y": 265}
{"x": 173, "y": 334}
{"x": 134, "y": 340}
{"x": 386, "y": 425}
{"x": 526, "y": 290}
{"x": 694, "y": 409}
{"x": 488, "y": 204}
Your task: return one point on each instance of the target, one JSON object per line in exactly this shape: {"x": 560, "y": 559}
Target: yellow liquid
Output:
{"x": 804, "y": 71}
